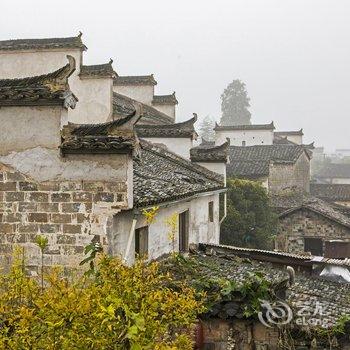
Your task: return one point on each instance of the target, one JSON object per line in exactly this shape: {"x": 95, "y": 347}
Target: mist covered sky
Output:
{"x": 293, "y": 55}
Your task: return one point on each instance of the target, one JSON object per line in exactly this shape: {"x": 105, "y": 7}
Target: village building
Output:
{"x": 230, "y": 323}
{"x": 310, "y": 225}
{"x": 338, "y": 194}
{"x": 292, "y": 136}
{"x": 74, "y": 169}
{"x": 276, "y": 167}
{"x": 245, "y": 135}
{"x": 333, "y": 173}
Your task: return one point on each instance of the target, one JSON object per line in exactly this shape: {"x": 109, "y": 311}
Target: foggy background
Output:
{"x": 293, "y": 55}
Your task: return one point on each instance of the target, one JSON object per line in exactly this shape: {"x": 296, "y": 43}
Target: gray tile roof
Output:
{"x": 162, "y": 176}
{"x": 289, "y": 133}
{"x": 116, "y": 136}
{"x": 47, "y": 43}
{"x": 123, "y": 106}
{"x": 98, "y": 70}
{"x": 48, "y": 89}
{"x": 183, "y": 129}
{"x": 331, "y": 192}
{"x": 165, "y": 99}
{"x": 289, "y": 201}
{"x": 207, "y": 152}
{"x": 307, "y": 291}
{"x": 253, "y": 161}
{"x": 334, "y": 170}
{"x": 245, "y": 127}
{"x": 135, "y": 80}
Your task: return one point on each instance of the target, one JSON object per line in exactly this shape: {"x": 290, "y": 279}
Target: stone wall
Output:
{"x": 70, "y": 214}
{"x": 302, "y": 223}
{"x": 284, "y": 176}
{"x": 243, "y": 335}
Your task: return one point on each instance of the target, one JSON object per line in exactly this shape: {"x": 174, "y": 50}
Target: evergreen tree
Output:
{"x": 235, "y": 104}
{"x": 206, "y": 129}
{"x": 250, "y": 221}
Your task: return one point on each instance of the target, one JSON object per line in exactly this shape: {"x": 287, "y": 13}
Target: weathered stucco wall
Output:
{"x": 251, "y": 137}
{"x": 26, "y": 63}
{"x": 95, "y": 100}
{"x": 219, "y": 168}
{"x": 293, "y": 228}
{"x": 69, "y": 213}
{"x": 141, "y": 93}
{"x": 284, "y": 176}
{"x": 160, "y": 240}
{"x": 29, "y": 127}
{"x": 180, "y": 146}
{"x": 169, "y": 110}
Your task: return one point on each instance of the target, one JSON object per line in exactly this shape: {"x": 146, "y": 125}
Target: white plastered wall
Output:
{"x": 250, "y": 137}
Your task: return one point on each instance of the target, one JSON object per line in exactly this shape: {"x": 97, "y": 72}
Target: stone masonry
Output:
{"x": 70, "y": 214}
{"x": 306, "y": 223}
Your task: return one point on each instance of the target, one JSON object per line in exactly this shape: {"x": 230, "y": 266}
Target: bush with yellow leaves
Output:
{"x": 116, "y": 307}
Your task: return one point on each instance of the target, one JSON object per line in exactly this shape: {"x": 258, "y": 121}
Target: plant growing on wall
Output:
{"x": 150, "y": 214}
{"x": 42, "y": 243}
{"x": 172, "y": 223}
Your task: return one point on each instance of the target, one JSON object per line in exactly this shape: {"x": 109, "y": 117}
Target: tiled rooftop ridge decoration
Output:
{"x": 98, "y": 71}
{"x": 270, "y": 126}
{"x": 165, "y": 99}
{"x": 44, "y": 90}
{"x": 135, "y": 80}
{"x": 43, "y": 44}
{"x": 210, "y": 153}
{"x": 183, "y": 129}
{"x": 117, "y": 136}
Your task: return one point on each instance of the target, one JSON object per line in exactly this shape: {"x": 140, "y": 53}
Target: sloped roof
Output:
{"x": 74, "y": 42}
{"x": 270, "y": 126}
{"x": 116, "y": 136}
{"x": 334, "y": 170}
{"x": 135, "y": 80}
{"x": 123, "y": 105}
{"x": 254, "y": 161}
{"x": 289, "y": 201}
{"x": 162, "y": 176}
{"x": 289, "y": 133}
{"x": 307, "y": 291}
{"x": 48, "y": 89}
{"x": 183, "y": 129}
{"x": 331, "y": 192}
{"x": 165, "y": 99}
{"x": 207, "y": 152}
{"x": 97, "y": 70}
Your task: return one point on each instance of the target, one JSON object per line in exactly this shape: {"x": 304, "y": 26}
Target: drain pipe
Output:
{"x": 130, "y": 238}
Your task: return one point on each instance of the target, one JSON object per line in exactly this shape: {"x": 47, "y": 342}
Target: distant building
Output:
{"x": 292, "y": 136}
{"x": 342, "y": 152}
{"x": 245, "y": 135}
{"x": 333, "y": 173}
{"x": 276, "y": 166}
{"x": 334, "y": 193}
{"x": 308, "y": 224}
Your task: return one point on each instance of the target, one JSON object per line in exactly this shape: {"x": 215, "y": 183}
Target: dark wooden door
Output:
{"x": 184, "y": 225}
{"x": 313, "y": 245}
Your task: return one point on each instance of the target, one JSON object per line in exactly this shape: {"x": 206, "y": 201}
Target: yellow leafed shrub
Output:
{"x": 119, "y": 307}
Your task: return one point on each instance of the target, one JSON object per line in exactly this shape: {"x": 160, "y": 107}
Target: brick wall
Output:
{"x": 306, "y": 223}
{"x": 70, "y": 214}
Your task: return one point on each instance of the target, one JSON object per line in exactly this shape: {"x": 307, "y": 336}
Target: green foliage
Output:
{"x": 250, "y": 221}
{"x": 235, "y": 104}
{"x": 206, "y": 128}
{"x": 41, "y": 242}
{"x": 119, "y": 308}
